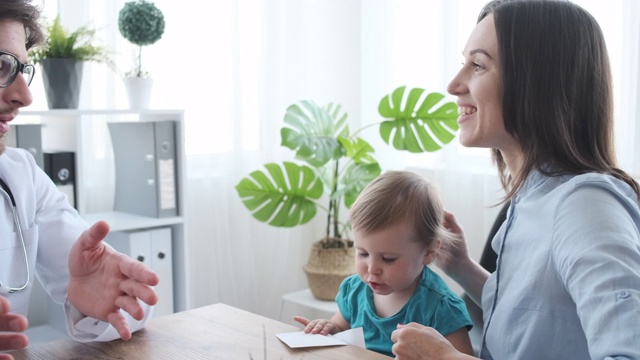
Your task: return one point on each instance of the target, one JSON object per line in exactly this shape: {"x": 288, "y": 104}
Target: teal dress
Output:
{"x": 432, "y": 304}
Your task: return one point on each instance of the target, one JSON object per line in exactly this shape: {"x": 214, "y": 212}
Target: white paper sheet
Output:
{"x": 300, "y": 339}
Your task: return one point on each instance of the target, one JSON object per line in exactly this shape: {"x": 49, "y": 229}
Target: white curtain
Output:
{"x": 235, "y": 65}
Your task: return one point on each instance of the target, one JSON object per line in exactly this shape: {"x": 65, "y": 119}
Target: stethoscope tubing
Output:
{"x": 5, "y": 289}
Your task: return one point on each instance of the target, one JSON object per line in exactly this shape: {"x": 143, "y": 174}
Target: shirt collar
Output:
{"x": 535, "y": 179}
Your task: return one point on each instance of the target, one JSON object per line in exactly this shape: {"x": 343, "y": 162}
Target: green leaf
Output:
{"x": 141, "y": 22}
{"x": 282, "y": 196}
{"x": 313, "y": 132}
{"x": 355, "y": 179}
{"x": 358, "y": 149}
{"x": 414, "y": 123}
{"x": 75, "y": 45}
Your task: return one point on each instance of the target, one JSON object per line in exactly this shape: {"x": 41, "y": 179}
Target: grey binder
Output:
{"x": 28, "y": 137}
{"x": 145, "y": 165}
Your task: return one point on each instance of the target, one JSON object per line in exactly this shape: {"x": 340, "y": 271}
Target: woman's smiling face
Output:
{"x": 478, "y": 86}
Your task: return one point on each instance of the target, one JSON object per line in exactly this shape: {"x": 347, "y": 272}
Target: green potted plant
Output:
{"x": 338, "y": 164}
{"x": 142, "y": 24}
{"x": 62, "y": 59}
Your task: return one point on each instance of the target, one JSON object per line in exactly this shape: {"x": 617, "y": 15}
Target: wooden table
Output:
{"x": 216, "y": 331}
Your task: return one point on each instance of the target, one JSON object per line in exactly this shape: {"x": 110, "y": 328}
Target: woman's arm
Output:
{"x": 459, "y": 266}
{"x": 597, "y": 255}
{"x": 460, "y": 340}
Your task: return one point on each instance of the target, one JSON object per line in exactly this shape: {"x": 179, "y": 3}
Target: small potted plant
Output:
{"x": 142, "y": 24}
{"x": 338, "y": 164}
{"x": 62, "y": 59}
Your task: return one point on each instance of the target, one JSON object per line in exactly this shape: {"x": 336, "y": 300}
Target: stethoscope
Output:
{"x": 5, "y": 289}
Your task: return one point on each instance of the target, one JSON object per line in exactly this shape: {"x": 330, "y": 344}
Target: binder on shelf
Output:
{"x": 28, "y": 137}
{"x": 145, "y": 166}
{"x": 61, "y": 168}
{"x": 153, "y": 248}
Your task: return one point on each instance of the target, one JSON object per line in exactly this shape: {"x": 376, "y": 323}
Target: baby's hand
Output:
{"x": 319, "y": 326}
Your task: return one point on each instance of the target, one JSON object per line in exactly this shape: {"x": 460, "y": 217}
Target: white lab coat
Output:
{"x": 50, "y": 226}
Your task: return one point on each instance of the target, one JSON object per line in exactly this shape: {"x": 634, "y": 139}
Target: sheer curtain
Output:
{"x": 237, "y": 65}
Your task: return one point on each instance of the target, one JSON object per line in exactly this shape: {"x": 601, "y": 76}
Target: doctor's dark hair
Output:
{"x": 29, "y": 15}
{"x": 557, "y": 90}
{"x": 402, "y": 196}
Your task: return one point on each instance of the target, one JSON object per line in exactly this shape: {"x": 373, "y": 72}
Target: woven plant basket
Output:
{"x": 326, "y": 268}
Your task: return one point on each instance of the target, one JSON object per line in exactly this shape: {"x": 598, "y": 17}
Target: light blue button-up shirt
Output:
{"x": 568, "y": 272}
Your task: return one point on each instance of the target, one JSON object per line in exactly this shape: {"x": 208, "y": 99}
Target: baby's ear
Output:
{"x": 432, "y": 251}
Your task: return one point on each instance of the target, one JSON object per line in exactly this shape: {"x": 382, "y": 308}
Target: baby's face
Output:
{"x": 390, "y": 260}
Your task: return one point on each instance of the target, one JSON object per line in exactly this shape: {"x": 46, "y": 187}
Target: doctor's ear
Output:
{"x": 432, "y": 251}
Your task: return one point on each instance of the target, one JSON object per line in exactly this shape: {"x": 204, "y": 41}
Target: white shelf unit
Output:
{"x": 85, "y": 132}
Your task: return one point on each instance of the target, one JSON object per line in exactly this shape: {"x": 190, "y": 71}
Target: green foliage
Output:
{"x": 75, "y": 45}
{"x": 285, "y": 196}
{"x": 142, "y": 23}
{"x": 337, "y": 163}
{"x": 407, "y": 127}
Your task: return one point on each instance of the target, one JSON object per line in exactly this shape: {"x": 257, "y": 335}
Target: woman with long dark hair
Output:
{"x": 535, "y": 87}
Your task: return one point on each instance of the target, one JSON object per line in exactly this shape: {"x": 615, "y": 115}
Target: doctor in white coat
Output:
{"x": 42, "y": 236}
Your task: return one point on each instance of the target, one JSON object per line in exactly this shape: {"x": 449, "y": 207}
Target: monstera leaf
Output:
{"x": 313, "y": 132}
{"x": 339, "y": 165}
{"x": 355, "y": 179}
{"x": 358, "y": 150}
{"x": 283, "y": 196}
{"x": 418, "y": 126}
{"x": 358, "y": 173}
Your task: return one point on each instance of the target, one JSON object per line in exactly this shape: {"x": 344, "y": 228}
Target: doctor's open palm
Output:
{"x": 103, "y": 281}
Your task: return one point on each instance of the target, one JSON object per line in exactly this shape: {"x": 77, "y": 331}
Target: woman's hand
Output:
{"x": 458, "y": 265}
{"x": 455, "y": 253}
{"x": 417, "y": 342}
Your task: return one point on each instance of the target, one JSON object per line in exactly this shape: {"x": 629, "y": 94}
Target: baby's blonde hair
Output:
{"x": 402, "y": 196}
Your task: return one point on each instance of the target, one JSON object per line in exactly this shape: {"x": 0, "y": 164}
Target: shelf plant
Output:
{"x": 77, "y": 45}
{"x": 142, "y": 24}
{"x": 62, "y": 59}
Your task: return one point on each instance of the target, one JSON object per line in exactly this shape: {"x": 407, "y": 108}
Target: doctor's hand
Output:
{"x": 418, "y": 342}
{"x": 11, "y": 330}
{"x": 103, "y": 281}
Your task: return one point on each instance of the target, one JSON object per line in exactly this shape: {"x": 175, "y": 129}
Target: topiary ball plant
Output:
{"x": 142, "y": 23}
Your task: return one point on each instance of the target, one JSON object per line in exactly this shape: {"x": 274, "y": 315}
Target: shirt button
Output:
{"x": 622, "y": 295}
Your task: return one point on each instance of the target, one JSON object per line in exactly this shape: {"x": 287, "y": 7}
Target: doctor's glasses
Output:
{"x": 10, "y": 66}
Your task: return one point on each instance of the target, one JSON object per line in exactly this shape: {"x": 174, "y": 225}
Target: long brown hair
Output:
{"x": 558, "y": 97}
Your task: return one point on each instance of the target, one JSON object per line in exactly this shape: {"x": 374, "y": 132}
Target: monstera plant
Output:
{"x": 337, "y": 164}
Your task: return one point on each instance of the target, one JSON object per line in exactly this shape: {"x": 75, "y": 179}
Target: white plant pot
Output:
{"x": 138, "y": 92}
